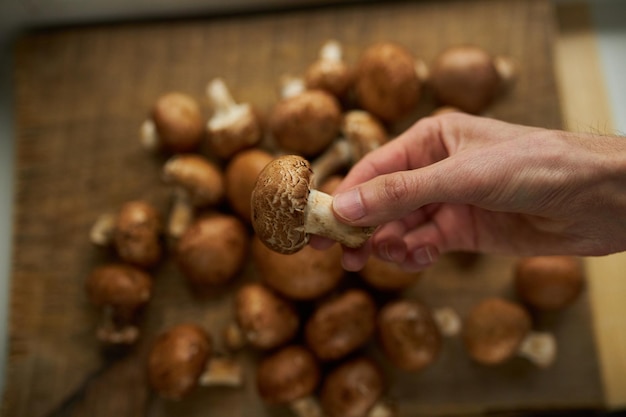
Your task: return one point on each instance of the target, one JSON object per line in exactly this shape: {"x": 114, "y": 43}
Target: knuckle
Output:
{"x": 395, "y": 188}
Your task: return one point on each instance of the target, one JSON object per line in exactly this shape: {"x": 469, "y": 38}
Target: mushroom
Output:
{"x": 264, "y": 320}
{"x": 549, "y": 283}
{"x": 468, "y": 77}
{"x": 354, "y": 389}
{"x": 387, "y": 83}
{"x": 285, "y": 210}
{"x": 121, "y": 291}
{"x": 175, "y": 124}
{"x": 330, "y": 72}
{"x": 341, "y": 324}
{"x": 197, "y": 183}
{"x": 181, "y": 358}
{"x": 387, "y": 276}
{"x": 134, "y": 232}
{"x": 495, "y": 330}
{"x": 317, "y": 272}
{"x": 305, "y": 122}
{"x": 289, "y": 377}
{"x": 233, "y": 127}
{"x": 213, "y": 249}
{"x": 411, "y": 333}
{"x": 240, "y": 176}
{"x": 361, "y": 134}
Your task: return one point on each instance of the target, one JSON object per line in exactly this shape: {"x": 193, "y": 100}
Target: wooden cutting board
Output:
{"x": 81, "y": 94}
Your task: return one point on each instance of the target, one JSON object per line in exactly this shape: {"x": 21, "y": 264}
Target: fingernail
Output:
{"x": 392, "y": 251}
{"x": 425, "y": 255}
{"x": 348, "y": 205}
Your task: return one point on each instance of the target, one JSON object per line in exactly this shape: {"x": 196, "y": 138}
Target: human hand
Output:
{"x": 461, "y": 182}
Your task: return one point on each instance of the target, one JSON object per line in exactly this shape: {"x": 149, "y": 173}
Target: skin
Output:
{"x": 460, "y": 182}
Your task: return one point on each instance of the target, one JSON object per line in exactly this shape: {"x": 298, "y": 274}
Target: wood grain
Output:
{"x": 81, "y": 95}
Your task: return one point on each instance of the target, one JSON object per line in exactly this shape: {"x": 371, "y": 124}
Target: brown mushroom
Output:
{"x": 175, "y": 124}
{"x": 240, "y": 176}
{"x": 233, "y": 126}
{"x": 387, "y": 276}
{"x": 330, "y": 72}
{"x": 361, "y": 134}
{"x": 341, "y": 324}
{"x": 496, "y": 330}
{"x": 306, "y": 122}
{"x": 121, "y": 291}
{"x": 549, "y": 283}
{"x": 264, "y": 320}
{"x": 304, "y": 275}
{"x": 213, "y": 250}
{"x": 285, "y": 210}
{"x": 355, "y": 389}
{"x": 289, "y": 377}
{"x": 468, "y": 77}
{"x": 197, "y": 182}
{"x": 387, "y": 81}
{"x": 181, "y": 358}
{"x": 411, "y": 333}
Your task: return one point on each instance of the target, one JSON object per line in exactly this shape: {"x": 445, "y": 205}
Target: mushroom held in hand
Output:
{"x": 341, "y": 324}
{"x": 289, "y": 377}
{"x": 175, "y": 124}
{"x": 304, "y": 275}
{"x": 549, "y": 283}
{"x": 387, "y": 276}
{"x": 263, "y": 319}
{"x": 495, "y": 330}
{"x": 181, "y": 359}
{"x": 285, "y": 210}
{"x": 213, "y": 249}
{"x": 387, "y": 82}
{"x": 233, "y": 127}
{"x": 468, "y": 77}
{"x": 354, "y": 389}
{"x": 330, "y": 72}
{"x": 121, "y": 291}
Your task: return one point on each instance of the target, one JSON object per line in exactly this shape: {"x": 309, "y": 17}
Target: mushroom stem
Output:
{"x": 381, "y": 409}
{"x": 148, "y": 136}
{"x": 101, "y": 232}
{"x": 448, "y": 321}
{"x": 539, "y": 347}
{"x": 291, "y": 86}
{"x": 220, "y": 96}
{"x": 331, "y": 51}
{"x": 320, "y": 220}
{"x": 306, "y": 407}
{"x": 234, "y": 337}
{"x": 222, "y": 372}
{"x": 421, "y": 70}
{"x": 181, "y": 213}
{"x": 506, "y": 70}
{"x": 110, "y": 332}
{"x": 337, "y": 156}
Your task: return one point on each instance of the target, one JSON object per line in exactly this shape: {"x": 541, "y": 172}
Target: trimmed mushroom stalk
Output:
{"x": 121, "y": 291}
{"x": 549, "y": 283}
{"x": 341, "y": 324}
{"x": 263, "y": 319}
{"x": 181, "y": 359}
{"x": 318, "y": 272}
{"x": 175, "y": 124}
{"x": 197, "y": 183}
{"x": 361, "y": 134}
{"x": 330, "y": 72}
{"x": 233, "y": 126}
{"x": 285, "y": 210}
{"x": 496, "y": 330}
{"x": 290, "y": 377}
{"x": 355, "y": 389}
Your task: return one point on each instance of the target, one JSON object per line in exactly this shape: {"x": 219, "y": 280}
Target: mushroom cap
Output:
{"x": 341, "y": 324}
{"x": 304, "y": 275}
{"x": 386, "y": 83}
{"x": 266, "y": 319}
{"x": 494, "y": 329}
{"x": 364, "y": 133}
{"x": 306, "y": 123}
{"x": 177, "y": 359}
{"x": 136, "y": 234}
{"x": 279, "y": 200}
{"x": 119, "y": 285}
{"x": 465, "y": 77}
{"x": 213, "y": 249}
{"x": 240, "y": 176}
{"x": 287, "y": 375}
{"x": 202, "y": 179}
{"x": 178, "y": 121}
{"x": 409, "y": 334}
{"x": 387, "y": 276}
{"x": 549, "y": 282}
{"x": 352, "y": 388}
